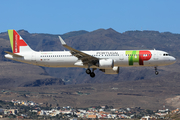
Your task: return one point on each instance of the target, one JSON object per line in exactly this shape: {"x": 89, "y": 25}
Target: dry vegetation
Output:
{"x": 142, "y": 93}
{"x": 133, "y": 87}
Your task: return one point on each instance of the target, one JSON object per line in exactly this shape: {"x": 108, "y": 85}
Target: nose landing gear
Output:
{"x": 156, "y": 72}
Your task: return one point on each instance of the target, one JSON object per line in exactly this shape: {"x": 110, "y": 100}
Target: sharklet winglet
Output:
{"x": 62, "y": 41}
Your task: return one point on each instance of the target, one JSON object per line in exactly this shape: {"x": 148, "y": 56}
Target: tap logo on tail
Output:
{"x": 16, "y": 41}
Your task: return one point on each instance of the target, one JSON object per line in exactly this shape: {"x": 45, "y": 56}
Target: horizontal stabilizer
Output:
{"x": 16, "y": 55}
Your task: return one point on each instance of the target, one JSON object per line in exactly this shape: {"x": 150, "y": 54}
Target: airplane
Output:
{"x": 107, "y": 61}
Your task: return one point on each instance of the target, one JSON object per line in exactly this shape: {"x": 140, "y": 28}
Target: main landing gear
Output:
{"x": 92, "y": 74}
{"x": 156, "y": 72}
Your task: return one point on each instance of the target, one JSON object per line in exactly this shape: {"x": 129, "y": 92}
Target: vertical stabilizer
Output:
{"x": 18, "y": 45}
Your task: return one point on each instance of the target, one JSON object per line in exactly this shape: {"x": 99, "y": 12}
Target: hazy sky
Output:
{"x": 62, "y": 16}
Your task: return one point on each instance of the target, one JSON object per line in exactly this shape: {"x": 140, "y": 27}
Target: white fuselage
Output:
{"x": 66, "y": 59}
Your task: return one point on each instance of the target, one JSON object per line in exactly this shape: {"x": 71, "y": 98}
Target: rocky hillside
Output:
{"x": 45, "y": 82}
{"x": 100, "y": 39}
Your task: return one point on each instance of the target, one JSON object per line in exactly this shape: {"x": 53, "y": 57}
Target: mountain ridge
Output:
{"x": 135, "y": 86}
{"x": 102, "y": 39}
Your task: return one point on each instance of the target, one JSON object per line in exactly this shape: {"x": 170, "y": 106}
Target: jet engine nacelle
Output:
{"x": 106, "y": 64}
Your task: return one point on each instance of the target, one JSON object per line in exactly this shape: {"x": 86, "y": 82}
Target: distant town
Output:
{"x": 22, "y": 109}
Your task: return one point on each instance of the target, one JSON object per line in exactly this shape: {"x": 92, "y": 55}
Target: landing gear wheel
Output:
{"x": 92, "y": 74}
{"x": 156, "y": 72}
{"x": 88, "y": 71}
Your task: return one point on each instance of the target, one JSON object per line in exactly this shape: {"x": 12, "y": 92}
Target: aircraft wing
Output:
{"x": 85, "y": 58}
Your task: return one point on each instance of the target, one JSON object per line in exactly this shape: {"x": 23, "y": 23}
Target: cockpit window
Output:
{"x": 165, "y": 54}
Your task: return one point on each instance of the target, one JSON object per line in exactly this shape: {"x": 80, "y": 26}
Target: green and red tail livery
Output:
{"x": 16, "y": 41}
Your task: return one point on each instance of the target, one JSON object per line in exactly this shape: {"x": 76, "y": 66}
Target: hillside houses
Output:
{"x": 10, "y": 111}
{"x": 33, "y": 109}
{"x": 25, "y": 103}
{"x": 82, "y": 113}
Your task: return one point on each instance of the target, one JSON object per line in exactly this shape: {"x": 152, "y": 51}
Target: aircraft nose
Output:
{"x": 173, "y": 59}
